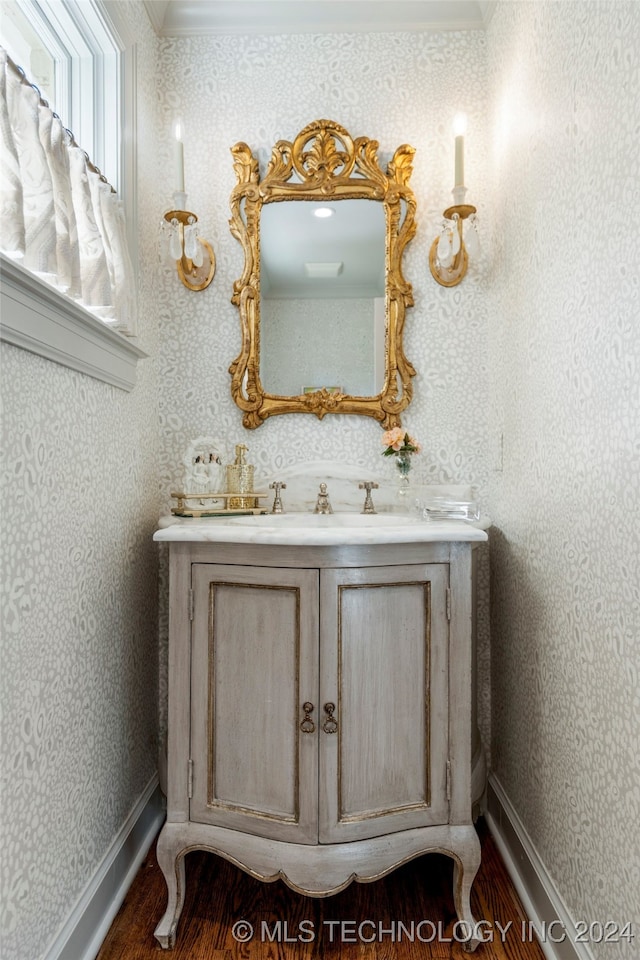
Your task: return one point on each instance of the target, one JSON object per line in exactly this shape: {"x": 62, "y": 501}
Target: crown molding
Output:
{"x": 156, "y": 11}
{"x": 183, "y": 18}
{"x": 487, "y": 9}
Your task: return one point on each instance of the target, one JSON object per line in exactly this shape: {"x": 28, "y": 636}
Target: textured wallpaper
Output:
{"x": 78, "y": 683}
{"x": 395, "y": 88}
{"x": 320, "y": 344}
{"x": 538, "y": 346}
{"x": 564, "y": 90}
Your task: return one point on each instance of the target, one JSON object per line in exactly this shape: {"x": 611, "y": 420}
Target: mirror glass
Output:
{"x": 322, "y": 296}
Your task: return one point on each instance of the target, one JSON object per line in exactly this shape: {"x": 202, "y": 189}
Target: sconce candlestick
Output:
{"x": 459, "y": 161}
{"x": 179, "y": 155}
{"x": 459, "y": 130}
{"x": 459, "y": 192}
{"x": 179, "y": 200}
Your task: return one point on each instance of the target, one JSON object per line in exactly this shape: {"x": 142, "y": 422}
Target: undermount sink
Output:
{"x": 323, "y": 521}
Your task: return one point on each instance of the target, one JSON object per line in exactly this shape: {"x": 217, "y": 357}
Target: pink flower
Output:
{"x": 396, "y": 440}
{"x": 393, "y": 438}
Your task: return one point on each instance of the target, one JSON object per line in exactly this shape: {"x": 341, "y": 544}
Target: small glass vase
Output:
{"x": 403, "y": 463}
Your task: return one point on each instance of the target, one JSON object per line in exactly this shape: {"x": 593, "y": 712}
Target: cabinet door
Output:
{"x": 384, "y": 665}
{"x": 254, "y": 663}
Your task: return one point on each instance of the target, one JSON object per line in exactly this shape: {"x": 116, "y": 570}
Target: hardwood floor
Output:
{"x": 405, "y": 916}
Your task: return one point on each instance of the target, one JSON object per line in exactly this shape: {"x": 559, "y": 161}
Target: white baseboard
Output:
{"x": 540, "y": 898}
{"x": 84, "y": 931}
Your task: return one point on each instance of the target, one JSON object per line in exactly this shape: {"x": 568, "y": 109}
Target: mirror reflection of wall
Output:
{"x": 328, "y": 343}
{"x": 322, "y": 304}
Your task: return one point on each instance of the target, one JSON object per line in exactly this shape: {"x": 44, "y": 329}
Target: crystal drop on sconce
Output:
{"x": 444, "y": 248}
{"x": 175, "y": 245}
{"x": 455, "y": 238}
{"x": 182, "y": 247}
{"x": 471, "y": 239}
{"x": 191, "y": 240}
{"x": 458, "y": 238}
{"x": 198, "y": 258}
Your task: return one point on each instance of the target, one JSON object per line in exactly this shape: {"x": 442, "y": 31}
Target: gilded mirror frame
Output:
{"x": 323, "y": 162}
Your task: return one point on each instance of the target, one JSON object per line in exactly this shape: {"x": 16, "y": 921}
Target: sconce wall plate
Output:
{"x": 451, "y": 275}
{"x": 192, "y": 276}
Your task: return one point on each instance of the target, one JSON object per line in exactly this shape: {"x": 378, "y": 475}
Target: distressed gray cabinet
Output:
{"x": 320, "y": 713}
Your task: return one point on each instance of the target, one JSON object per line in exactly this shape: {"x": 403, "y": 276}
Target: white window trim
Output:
{"x": 128, "y": 186}
{"x": 86, "y": 41}
{"x": 41, "y": 319}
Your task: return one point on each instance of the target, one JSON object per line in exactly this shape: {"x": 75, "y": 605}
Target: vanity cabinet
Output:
{"x": 319, "y": 713}
{"x": 319, "y": 700}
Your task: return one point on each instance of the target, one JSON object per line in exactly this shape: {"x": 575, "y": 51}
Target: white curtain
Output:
{"x": 58, "y": 215}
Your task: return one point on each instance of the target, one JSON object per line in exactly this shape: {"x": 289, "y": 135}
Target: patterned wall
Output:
{"x": 564, "y": 82}
{"x": 397, "y": 88}
{"x": 79, "y": 603}
{"x": 558, "y": 159}
{"x": 331, "y": 344}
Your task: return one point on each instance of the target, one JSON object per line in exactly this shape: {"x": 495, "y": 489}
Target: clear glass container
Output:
{"x": 448, "y": 508}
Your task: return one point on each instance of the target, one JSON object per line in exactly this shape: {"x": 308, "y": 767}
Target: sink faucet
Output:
{"x": 322, "y": 503}
{"x": 368, "y": 485}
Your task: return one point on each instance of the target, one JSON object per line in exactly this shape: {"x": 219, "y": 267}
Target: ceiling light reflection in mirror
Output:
{"x": 296, "y": 233}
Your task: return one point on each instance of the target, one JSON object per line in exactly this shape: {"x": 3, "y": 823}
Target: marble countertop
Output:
{"x": 315, "y": 529}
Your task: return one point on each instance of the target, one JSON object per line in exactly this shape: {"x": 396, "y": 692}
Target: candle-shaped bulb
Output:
{"x": 177, "y": 130}
{"x": 459, "y": 124}
{"x": 459, "y": 130}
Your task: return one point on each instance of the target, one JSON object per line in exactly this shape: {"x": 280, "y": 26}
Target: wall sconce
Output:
{"x": 181, "y": 246}
{"x": 449, "y": 254}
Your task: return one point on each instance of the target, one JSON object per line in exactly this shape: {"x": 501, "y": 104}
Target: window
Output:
{"x": 71, "y": 54}
{"x": 81, "y": 57}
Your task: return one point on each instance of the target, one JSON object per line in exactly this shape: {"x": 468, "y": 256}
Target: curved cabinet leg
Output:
{"x": 170, "y": 852}
{"x": 466, "y": 863}
{"x": 334, "y": 865}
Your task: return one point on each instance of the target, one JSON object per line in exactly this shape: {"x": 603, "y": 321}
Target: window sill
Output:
{"x": 38, "y": 318}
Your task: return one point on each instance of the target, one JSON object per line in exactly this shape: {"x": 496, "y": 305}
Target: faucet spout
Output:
{"x": 322, "y": 503}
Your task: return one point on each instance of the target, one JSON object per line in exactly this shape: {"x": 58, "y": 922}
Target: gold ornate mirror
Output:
{"x": 322, "y": 297}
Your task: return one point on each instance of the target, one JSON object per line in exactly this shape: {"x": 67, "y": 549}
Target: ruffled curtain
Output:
{"x": 58, "y": 214}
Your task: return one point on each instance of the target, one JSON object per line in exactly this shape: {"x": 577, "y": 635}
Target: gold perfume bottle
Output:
{"x": 240, "y": 481}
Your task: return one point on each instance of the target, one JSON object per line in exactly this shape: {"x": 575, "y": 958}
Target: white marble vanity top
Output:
{"x": 316, "y": 529}
{"x": 299, "y": 525}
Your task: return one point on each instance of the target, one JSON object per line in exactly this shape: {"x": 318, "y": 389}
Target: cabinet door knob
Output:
{"x": 307, "y": 725}
{"x": 331, "y": 724}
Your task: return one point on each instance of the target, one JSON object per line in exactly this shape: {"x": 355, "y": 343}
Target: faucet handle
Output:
{"x": 368, "y": 485}
{"x": 277, "y": 485}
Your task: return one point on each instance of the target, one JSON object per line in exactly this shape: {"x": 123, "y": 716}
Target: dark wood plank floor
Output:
{"x": 361, "y": 922}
